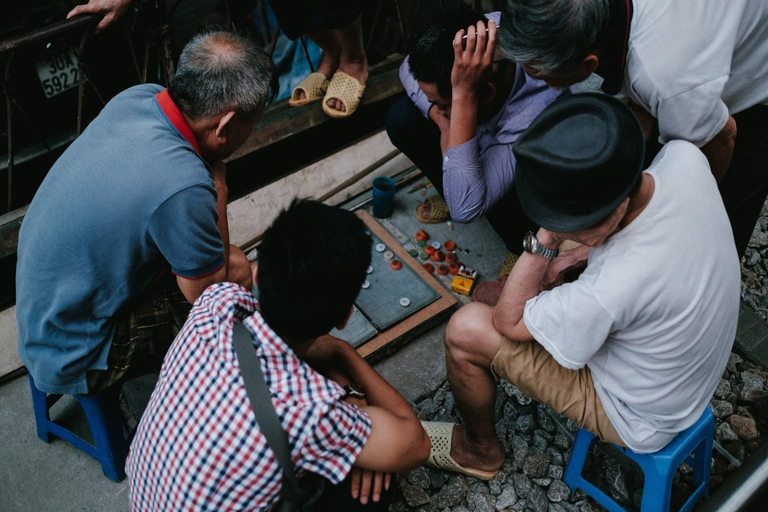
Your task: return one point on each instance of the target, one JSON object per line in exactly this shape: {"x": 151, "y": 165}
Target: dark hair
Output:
{"x": 432, "y": 58}
{"x": 553, "y": 36}
{"x": 312, "y": 262}
{"x": 221, "y": 71}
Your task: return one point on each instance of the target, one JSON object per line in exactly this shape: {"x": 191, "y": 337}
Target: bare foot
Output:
{"x": 357, "y": 68}
{"x": 328, "y": 66}
{"x": 487, "y": 456}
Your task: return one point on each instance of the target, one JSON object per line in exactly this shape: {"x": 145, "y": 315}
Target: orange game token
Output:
{"x": 442, "y": 270}
{"x": 395, "y": 265}
{"x": 453, "y": 268}
{"x": 429, "y": 267}
{"x": 429, "y": 250}
{"x": 451, "y": 257}
{"x": 437, "y": 256}
{"x": 421, "y": 235}
{"x": 449, "y": 245}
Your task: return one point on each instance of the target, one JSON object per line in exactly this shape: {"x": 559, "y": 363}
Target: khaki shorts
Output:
{"x": 144, "y": 333}
{"x": 570, "y": 392}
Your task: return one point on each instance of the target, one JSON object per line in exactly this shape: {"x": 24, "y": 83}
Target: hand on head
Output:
{"x": 473, "y": 57}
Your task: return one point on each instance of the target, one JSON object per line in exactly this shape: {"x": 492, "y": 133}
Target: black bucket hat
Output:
{"x": 577, "y": 161}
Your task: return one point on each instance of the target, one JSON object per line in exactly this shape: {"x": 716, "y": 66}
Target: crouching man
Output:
{"x": 634, "y": 348}
{"x": 199, "y": 445}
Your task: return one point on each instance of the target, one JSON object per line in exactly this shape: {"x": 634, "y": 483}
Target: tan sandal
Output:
{"x": 440, "y": 453}
{"x": 313, "y": 87}
{"x": 346, "y": 89}
{"x": 438, "y": 211}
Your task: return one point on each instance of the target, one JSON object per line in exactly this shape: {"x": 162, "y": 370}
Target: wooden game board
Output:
{"x": 395, "y": 324}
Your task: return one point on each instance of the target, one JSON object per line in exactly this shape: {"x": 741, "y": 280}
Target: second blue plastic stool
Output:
{"x": 102, "y": 410}
{"x": 693, "y": 445}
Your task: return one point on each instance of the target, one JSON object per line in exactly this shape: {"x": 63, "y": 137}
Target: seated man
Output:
{"x": 199, "y": 426}
{"x": 634, "y": 348}
{"x": 462, "y": 116}
{"x": 130, "y": 224}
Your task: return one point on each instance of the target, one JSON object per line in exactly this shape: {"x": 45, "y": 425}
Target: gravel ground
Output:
{"x": 538, "y": 441}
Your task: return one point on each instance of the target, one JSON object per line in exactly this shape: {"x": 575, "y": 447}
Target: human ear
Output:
{"x": 343, "y": 324}
{"x": 220, "y": 130}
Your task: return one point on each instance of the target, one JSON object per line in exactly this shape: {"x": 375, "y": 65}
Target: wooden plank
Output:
{"x": 396, "y": 336}
{"x": 281, "y": 121}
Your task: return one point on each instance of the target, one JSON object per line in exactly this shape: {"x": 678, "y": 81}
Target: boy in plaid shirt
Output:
{"x": 199, "y": 447}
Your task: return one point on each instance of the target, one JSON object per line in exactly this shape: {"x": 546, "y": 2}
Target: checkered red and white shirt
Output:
{"x": 198, "y": 445}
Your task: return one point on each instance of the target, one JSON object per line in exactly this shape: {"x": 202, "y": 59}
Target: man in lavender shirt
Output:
{"x": 464, "y": 110}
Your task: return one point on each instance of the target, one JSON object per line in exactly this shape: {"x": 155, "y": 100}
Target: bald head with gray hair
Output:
{"x": 553, "y": 36}
{"x": 220, "y": 72}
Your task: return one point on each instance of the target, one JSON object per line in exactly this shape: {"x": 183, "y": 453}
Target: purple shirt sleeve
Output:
{"x": 472, "y": 183}
{"x": 412, "y": 88}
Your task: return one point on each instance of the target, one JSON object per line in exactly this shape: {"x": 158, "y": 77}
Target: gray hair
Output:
{"x": 222, "y": 71}
{"x": 553, "y": 36}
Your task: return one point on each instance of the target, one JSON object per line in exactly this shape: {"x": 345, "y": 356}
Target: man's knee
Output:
{"x": 239, "y": 268}
{"x": 400, "y": 122}
{"x": 471, "y": 333}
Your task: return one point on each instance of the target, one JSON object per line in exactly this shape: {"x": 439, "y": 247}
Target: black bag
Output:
{"x": 293, "y": 497}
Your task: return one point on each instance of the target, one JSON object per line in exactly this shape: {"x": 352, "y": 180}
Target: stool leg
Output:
{"x": 657, "y": 491}
{"x": 581, "y": 445}
{"x": 40, "y": 406}
{"x": 106, "y": 423}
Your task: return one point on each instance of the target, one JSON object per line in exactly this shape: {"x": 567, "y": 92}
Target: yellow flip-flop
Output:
{"x": 348, "y": 90}
{"x": 313, "y": 87}
{"x": 440, "y": 453}
{"x": 438, "y": 211}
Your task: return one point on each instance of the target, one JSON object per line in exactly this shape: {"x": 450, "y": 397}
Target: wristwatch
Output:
{"x": 532, "y": 245}
{"x": 354, "y": 391}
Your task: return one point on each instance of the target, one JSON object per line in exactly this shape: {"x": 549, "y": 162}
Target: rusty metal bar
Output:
{"x": 273, "y": 41}
{"x": 373, "y": 25}
{"x": 399, "y": 13}
{"x": 44, "y": 34}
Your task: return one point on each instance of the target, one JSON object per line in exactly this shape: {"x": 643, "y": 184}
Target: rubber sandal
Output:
{"x": 438, "y": 211}
{"x": 440, "y": 453}
{"x": 348, "y": 90}
{"x": 314, "y": 87}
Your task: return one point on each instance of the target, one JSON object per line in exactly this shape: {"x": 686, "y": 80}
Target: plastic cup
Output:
{"x": 383, "y": 196}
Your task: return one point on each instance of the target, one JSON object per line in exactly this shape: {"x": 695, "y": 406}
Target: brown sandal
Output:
{"x": 438, "y": 211}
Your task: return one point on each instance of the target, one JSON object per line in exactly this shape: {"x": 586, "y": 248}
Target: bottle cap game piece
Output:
{"x": 442, "y": 270}
{"x": 429, "y": 267}
{"x": 449, "y": 245}
{"x": 405, "y": 302}
{"x": 421, "y": 235}
{"x": 395, "y": 265}
{"x": 414, "y": 253}
{"x": 451, "y": 257}
{"x": 366, "y": 284}
{"x": 380, "y": 247}
{"x": 429, "y": 250}
{"x": 421, "y": 243}
{"x": 369, "y": 270}
{"x": 453, "y": 268}
{"x": 436, "y": 245}
{"x": 437, "y": 256}
{"x": 423, "y": 255}
{"x": 389, "y": 255}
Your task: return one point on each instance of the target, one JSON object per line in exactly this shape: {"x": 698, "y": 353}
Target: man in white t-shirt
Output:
{"x": 634, "y": 348}
{"x": 699, "y": 67}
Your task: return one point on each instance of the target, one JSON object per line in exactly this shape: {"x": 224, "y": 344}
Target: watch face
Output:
{"x": 528, "y": 242}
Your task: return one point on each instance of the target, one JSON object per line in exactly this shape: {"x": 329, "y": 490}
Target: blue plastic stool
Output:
{"x": 693, "y": 446}
{"x": 102, "y": 410}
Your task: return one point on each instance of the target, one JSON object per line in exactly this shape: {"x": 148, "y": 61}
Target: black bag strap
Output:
{"x": 261, "y": 403}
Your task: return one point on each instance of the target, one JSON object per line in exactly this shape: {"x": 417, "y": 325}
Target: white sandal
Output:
{"x": 440, "y": 453}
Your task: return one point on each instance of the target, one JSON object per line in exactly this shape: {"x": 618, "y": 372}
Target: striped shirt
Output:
{"x": 477, "y": 173}
{"x": 198, "y": 445}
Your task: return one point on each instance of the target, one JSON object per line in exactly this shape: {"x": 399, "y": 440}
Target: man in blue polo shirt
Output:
{"x": 130, "y": 225}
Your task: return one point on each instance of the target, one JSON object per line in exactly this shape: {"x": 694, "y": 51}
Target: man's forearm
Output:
{"x": 378, "y": 391}
{"x": 463, "y": 118}
{"x": 719, "y": 150}
{"x": 219, "y": 172}
{"x": 523, "y": 283}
